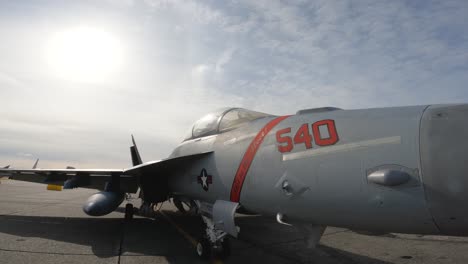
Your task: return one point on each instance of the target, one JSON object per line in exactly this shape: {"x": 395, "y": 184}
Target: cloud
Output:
{"x": 187, "y": 58}
{"x": 8, "y": 81}
{"x": 224, "y": 59}
{"x": 21, "y": 154}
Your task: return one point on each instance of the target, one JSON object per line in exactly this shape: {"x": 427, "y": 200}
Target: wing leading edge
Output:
{"x": 151, "y": 176}
{"x": 74, "y": 178}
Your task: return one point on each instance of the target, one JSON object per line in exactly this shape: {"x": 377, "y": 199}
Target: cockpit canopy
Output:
{"x": 222, "y": 120}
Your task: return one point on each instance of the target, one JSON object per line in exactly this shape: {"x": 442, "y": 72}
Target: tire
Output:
{"x": 204, "y": 249}
{"x": 128, "y": 211}
{"x": 225, "y": 248}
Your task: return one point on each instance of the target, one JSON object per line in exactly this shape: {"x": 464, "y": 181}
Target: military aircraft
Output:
{"x": 400, "y": 169}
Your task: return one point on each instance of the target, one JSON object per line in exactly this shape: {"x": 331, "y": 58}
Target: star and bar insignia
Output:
{"x": 205, "y": 180}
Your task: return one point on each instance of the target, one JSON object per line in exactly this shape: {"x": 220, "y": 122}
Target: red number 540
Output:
{"x": 303, "y": 136}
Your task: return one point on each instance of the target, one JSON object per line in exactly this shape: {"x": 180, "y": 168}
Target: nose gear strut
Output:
{"x": 218, "y": 220}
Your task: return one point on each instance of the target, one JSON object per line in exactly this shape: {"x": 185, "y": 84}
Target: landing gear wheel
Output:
{"x": 222, "y": 250}
{"x": 225, "y": 248}
{"x": 128, "y": 211}
{"x": 204, "y": 248}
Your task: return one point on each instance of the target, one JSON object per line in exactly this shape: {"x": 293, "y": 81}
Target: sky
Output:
{"x": 77, "y": 78}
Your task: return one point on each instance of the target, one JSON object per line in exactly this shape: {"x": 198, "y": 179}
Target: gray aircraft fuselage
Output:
{"x": 402, "y": 169}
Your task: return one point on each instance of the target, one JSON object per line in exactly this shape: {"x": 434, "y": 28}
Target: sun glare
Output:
{"x": 84, "y": 54}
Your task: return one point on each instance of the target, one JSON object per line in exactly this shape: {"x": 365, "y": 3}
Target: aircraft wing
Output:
{"x": 73, "y": 178}
{"x": 151, "y": 176}
{"x": 163, "y": 166}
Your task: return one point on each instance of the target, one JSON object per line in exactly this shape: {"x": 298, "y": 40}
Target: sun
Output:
{"x": 84, "y": 54}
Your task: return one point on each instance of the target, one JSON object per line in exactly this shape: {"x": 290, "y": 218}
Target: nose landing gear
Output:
{"x": 219, "y": 222}
{"x": 205, "y": 249}
{"x": 215, "y": 243}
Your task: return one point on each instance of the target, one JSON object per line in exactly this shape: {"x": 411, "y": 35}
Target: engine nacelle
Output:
{"x": 103, "y": 203}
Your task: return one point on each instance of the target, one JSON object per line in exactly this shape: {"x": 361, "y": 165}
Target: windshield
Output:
{"x": 207, "y": 125}
{"x": 238, "y": 117}
{"x": 222, "y": 120}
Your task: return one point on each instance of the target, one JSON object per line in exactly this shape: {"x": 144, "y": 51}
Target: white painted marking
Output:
{"x": 342, "y": 148}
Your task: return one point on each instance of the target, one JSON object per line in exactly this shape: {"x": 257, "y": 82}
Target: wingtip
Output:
{"x": 133, "y": 140}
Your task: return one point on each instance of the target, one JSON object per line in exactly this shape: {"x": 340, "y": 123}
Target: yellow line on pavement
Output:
{"x": 192, "y": 240}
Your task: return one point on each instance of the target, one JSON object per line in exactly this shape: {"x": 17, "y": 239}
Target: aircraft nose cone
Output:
{"x": 444, "y": 164}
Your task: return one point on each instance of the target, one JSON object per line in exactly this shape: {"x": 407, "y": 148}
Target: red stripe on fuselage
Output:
{"x": 249, "y": 156}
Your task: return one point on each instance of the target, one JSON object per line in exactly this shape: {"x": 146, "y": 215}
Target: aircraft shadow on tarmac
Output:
{"x": 110, "y": 237}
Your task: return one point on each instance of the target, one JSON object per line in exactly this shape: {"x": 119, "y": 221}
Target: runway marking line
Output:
{"x": 186, "y": 235}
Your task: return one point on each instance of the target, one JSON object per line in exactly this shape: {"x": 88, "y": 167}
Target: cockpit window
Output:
{"x": 237, "y": 117}
{"x": 221, "y": 121}
{"x": 206, "y": 126}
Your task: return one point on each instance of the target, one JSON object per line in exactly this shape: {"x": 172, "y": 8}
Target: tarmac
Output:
{"x": 40, "y": 226}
